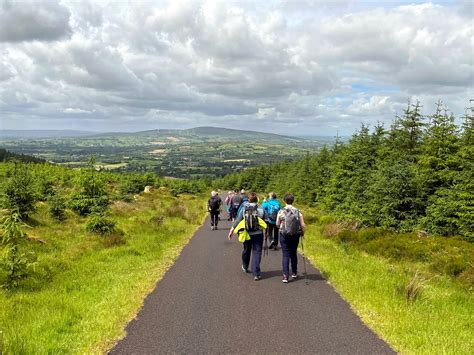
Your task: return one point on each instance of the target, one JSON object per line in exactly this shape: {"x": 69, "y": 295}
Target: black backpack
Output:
{"x": 236, "y": 201}
{"x": 214, "y": 203}
{"x": 251, "y": 219}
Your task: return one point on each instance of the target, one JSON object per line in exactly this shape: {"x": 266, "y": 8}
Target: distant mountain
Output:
{"x": 209, "y": 134}
{"x": 182, "y": 153}
{"x": 19, "y": 133}
{"x": 168, "y": 135}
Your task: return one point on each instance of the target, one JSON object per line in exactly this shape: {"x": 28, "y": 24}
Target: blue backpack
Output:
{"x": 273, "y": 209}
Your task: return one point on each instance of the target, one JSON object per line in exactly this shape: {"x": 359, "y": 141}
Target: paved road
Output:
{"x": 206, "y": 304}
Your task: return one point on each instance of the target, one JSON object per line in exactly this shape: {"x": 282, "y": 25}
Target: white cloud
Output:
{"x": 33, "y": 20}
{"x": 312, "y": 65}
{"x": 76, "y": 110}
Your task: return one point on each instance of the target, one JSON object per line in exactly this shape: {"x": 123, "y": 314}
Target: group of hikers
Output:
{"x": 257, "y": 224}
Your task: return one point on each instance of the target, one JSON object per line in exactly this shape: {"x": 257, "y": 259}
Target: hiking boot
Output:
{"x": 244, "y": 269}
{"x": 294, "y": 276}
{"x": 285, "y": 279}
{"x": 257, "y": 278}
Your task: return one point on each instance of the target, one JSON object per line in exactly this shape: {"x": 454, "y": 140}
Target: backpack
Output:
{"x": 292, "y": 226}
{"x": 273, "y": 211}
{"x": 214, "y": 203}
{"x": 236, "y": 201}
{"x": 251, "y": 219}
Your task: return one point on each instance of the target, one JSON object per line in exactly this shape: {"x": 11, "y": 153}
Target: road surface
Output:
{"x": 206, "y": 304}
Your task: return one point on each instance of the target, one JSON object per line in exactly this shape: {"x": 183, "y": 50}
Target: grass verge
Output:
{"x": 86, "y": 288}
{"x": 414, "y": 303}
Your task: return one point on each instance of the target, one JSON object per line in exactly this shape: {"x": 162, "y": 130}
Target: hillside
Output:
{"x": 195, "y": 152}
{"x": 6, "y": 155}
{"x": 208, "y": 133}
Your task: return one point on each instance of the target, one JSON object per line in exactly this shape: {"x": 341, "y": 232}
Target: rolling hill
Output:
{"x": 194, "y": 152}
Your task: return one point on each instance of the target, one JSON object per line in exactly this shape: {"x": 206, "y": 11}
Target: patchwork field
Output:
{"x": 199, "y": 152}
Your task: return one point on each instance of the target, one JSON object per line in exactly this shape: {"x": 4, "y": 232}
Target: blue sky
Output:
{"x": 301, "y": 67}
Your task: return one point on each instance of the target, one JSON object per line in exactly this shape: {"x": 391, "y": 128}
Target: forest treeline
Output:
{"x": 416, "y": 175}
{"x": 6, "y": 155}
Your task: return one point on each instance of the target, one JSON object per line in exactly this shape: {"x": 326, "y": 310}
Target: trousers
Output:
{"x": 273, "y": 232}
{"x": 214, "y": 218}
{"x": 253, "y": 247}
{"x": 289, "y": 247}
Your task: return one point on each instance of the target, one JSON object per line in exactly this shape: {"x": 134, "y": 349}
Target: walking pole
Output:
{"x": 265, "y": 245}
{"x": 304, "y": 263}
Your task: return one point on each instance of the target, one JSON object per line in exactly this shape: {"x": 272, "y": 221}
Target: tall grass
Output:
{"x": 86, "y": 287}
{"x": 399, "y": 284}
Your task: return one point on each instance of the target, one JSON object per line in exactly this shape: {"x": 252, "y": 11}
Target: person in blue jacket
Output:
{"x": 271, "y": 207}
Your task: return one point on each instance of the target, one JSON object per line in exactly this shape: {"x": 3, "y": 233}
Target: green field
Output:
{"x": 205, "y": 152}
{"x": 85, "y": 288}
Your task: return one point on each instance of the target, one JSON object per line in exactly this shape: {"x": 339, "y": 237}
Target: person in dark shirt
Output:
{"x": 214, "y": 206}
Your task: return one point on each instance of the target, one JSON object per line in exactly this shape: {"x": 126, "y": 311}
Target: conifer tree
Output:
{"x": 451, "y": 210}
{"x": 407, "y": 132}
{"x": 18, "y": 191}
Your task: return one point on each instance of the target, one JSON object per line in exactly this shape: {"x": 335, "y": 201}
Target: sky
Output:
{"x": 290, "y": 67}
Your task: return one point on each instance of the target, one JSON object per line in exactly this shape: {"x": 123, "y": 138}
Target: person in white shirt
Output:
{"x": 291, "y": 223}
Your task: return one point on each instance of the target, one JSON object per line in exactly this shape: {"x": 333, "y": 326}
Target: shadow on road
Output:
{"x": 278, "y": 273}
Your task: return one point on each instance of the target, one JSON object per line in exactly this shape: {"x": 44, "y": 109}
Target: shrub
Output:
{"x": 311, "y": 218}
{"x": 45, "y": 188}
{"x": 371, "y": 233}
{"x": 156, "y": 221}
{"x": 13, "y": 261}
{"x": 18, "y": 191}
{"x": 455, "y": 267}
{"x": 176, "y": 210}
{"x": 467, "y": 277}
{"x": 115, "y": 239}
{"x": 446, "y": 263}
{"x": 92, "y": 198}
{"x": 135, "y": 183}
{"x": 332, "y": 229}
{"x": 326, "y": 219}
{"x": 397, "y": 247}
{"x": 101, "y": 225}
{"x": 347, "y": 236}
{"x": 57, "y": 208}
{"x": 127, "y": 198}
{"x": 192, "y": 217}
{"x": 85, "y": 205}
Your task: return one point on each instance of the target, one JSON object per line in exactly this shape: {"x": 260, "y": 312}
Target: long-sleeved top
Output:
{"x": 280, "y": 222}
{"x": 269, "y": 206}
{"x": 243, "y": 234}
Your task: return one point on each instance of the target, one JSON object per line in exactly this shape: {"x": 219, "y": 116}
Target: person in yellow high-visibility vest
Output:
{"x": 251, "y": 225}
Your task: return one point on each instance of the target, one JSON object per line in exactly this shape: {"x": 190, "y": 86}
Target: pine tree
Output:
{"x": 18, "y": 191}
{"x": 348, "y": 184}
{"x": 451, "y": 210}
{"x": 407, "y": 132}
{"x": 439, "y": 162}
